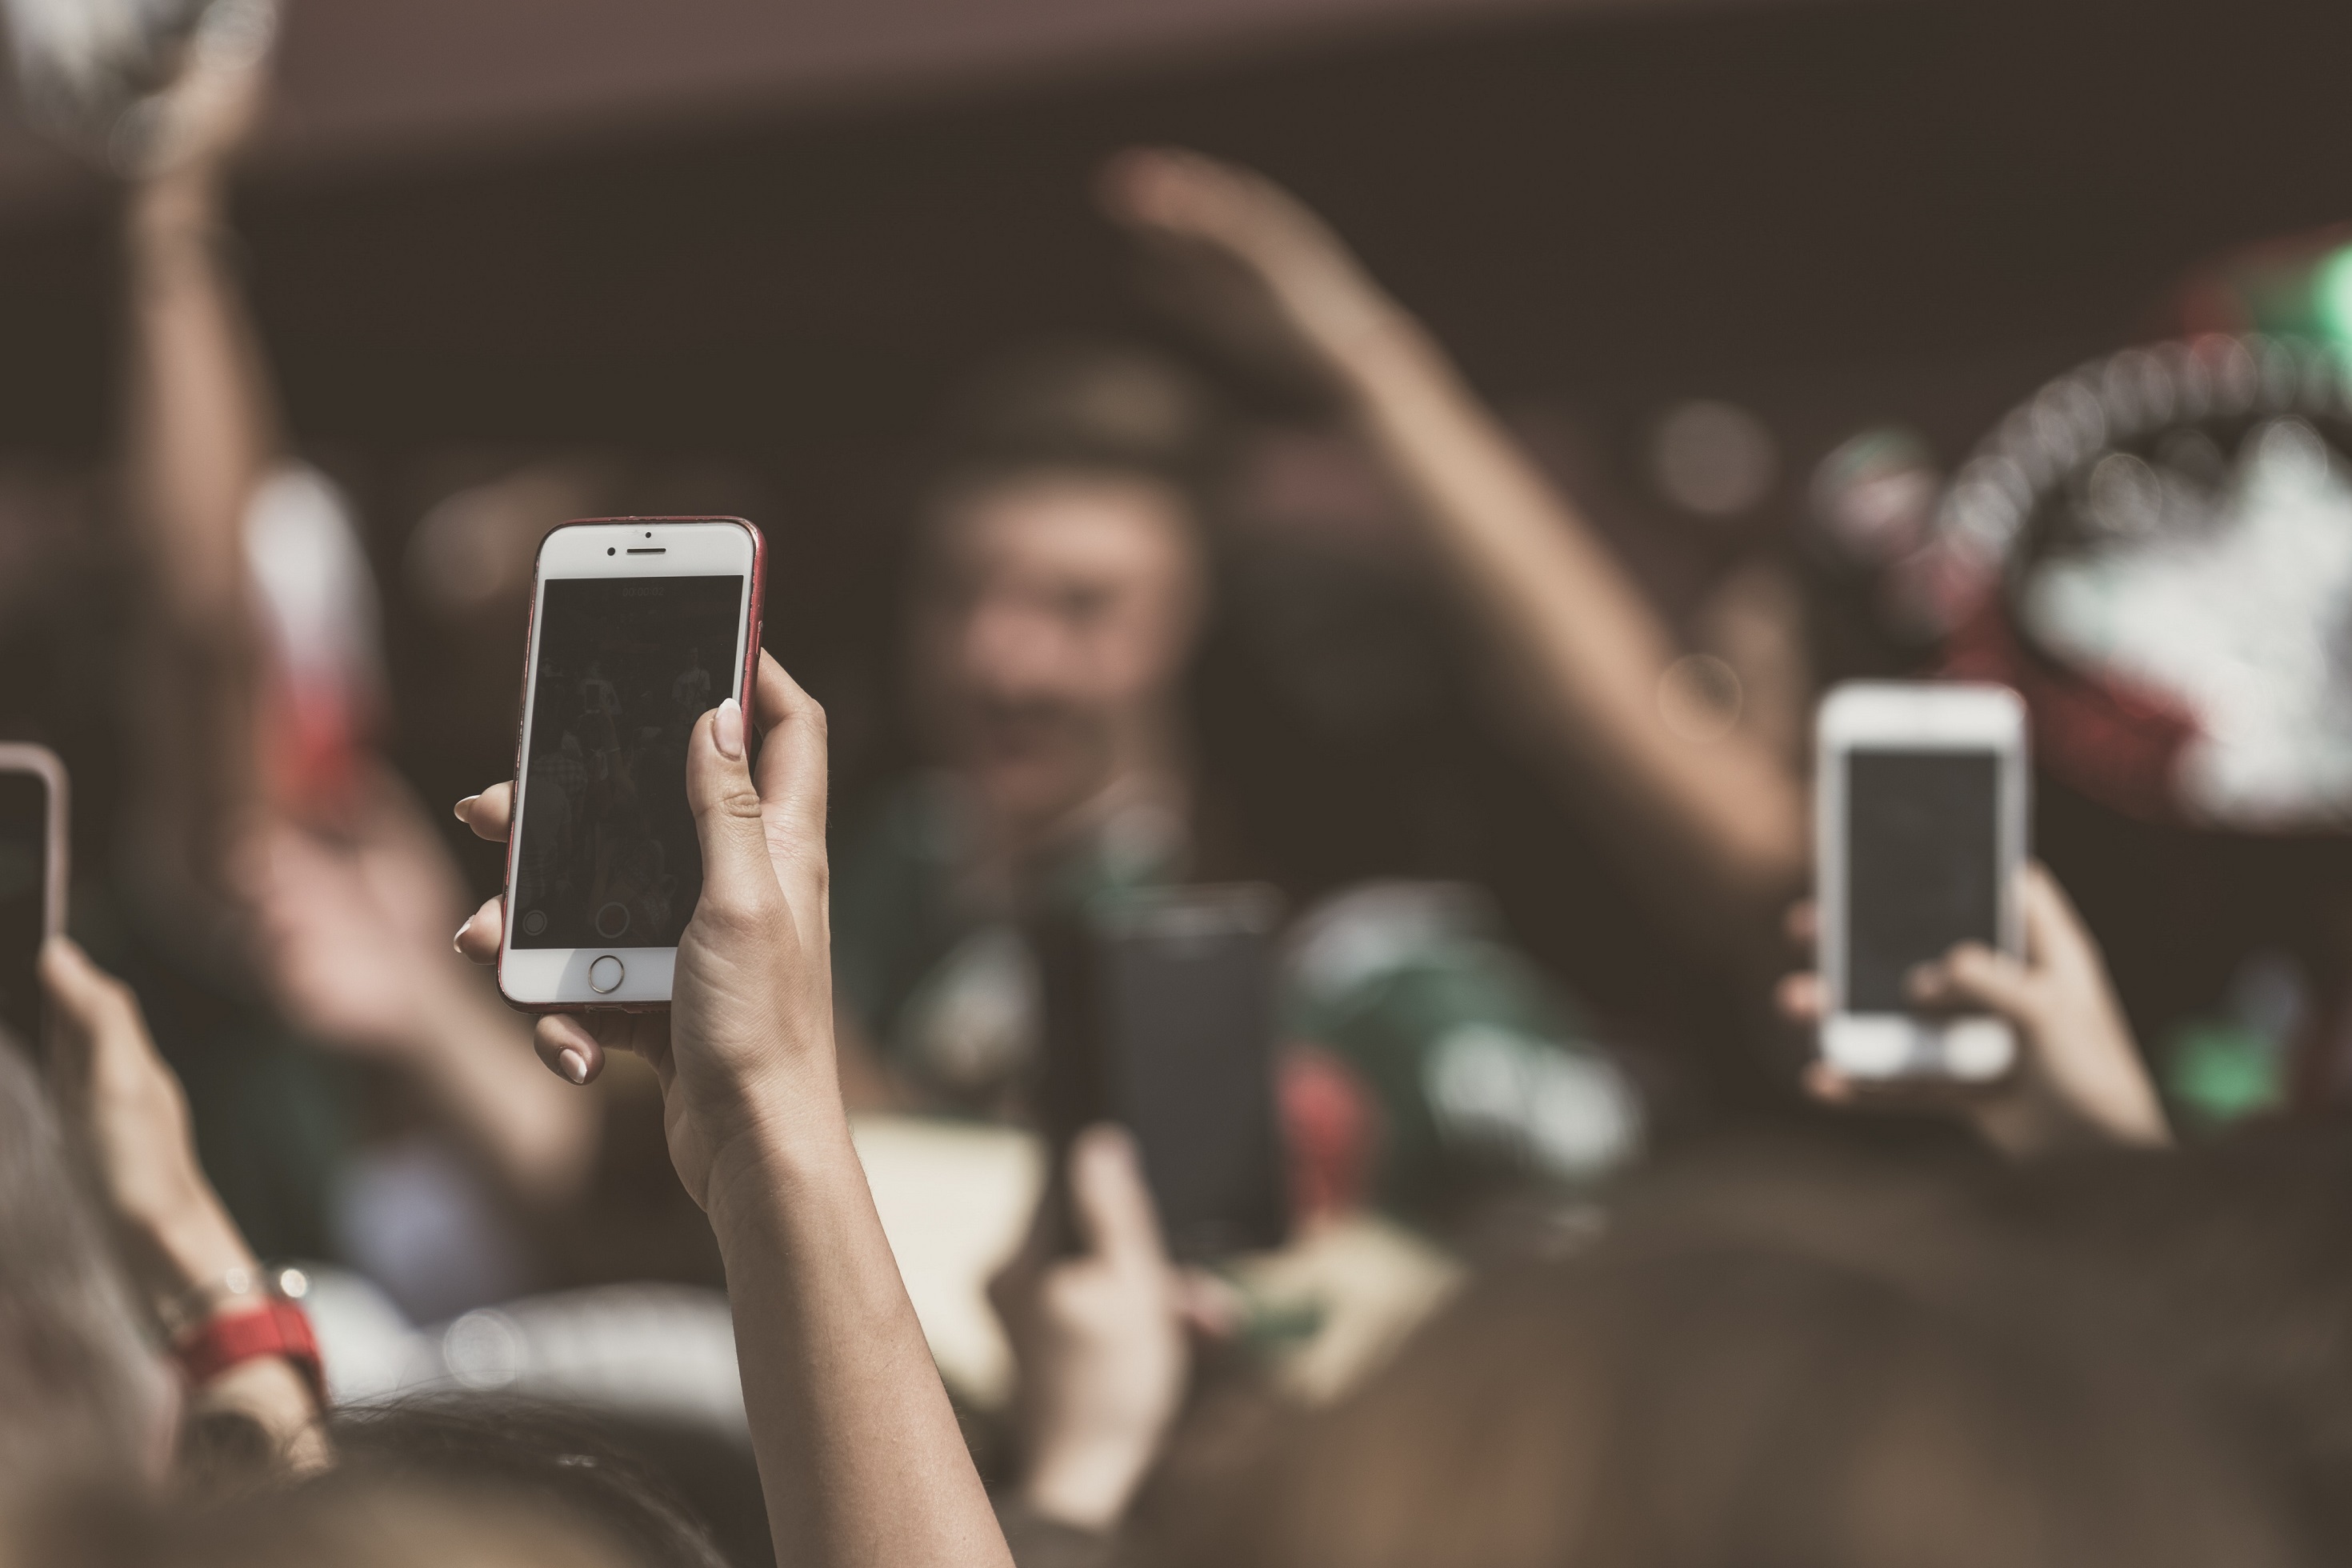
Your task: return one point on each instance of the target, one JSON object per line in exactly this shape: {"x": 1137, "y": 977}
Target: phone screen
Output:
{"x": 24, "y": 878}
{"x": 1922, "y": 865}
{"x": 1191, "y": 1026}
{"x": 1162, "y": 1019}
{"x": 607, "y": 857}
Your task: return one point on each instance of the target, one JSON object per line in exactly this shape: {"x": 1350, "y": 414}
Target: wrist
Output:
{"x": 182, "y": 206}
{"x": 191, "y": 1246}
{"x": 783, "y": 1154}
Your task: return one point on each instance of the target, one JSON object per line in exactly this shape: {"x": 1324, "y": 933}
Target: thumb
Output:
{"x": 737, "y": 876}
{"x": 1113, "y": 1206}
{"x": 91, "y": 1002}
{"x": 1972, "y": 974}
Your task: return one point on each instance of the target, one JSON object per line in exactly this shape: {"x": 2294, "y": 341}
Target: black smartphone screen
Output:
{"x": 1161, "y": 1016}
{"x": 24, "y": 881}
{"x": 1922, "y": 865}
{"x": 608, "y": 855}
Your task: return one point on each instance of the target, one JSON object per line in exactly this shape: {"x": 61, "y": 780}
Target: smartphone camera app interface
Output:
{"x": 608, "y": 855}
{"x": 23, "y": 867}
{"x": 1922, "y": 859}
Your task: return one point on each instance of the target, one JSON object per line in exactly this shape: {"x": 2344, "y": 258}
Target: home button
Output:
{"x": 604, "y": 975}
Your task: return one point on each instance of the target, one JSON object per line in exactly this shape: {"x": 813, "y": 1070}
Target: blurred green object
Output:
{"x": 2331, "y": 293}
{"x": 2220, "y": 1071}
{"x": 1481, "y": 1067}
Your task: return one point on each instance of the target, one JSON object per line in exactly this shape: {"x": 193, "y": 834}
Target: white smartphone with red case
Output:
{"x": 639, "y": 626}
{"x": 1921, "y": 801}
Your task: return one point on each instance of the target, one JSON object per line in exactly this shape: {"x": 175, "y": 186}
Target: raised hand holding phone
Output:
{"x": 2078, "y": 1079}
{"x": 747, "y": 1037}
{"x": 1098, "y": 1338}
{"x": 858, "y": 1449}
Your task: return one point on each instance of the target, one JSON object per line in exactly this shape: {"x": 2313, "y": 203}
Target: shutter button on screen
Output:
{"x": 604, "y": 975}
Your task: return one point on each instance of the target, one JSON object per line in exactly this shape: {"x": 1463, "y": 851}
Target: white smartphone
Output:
{"x": 32, "y": 882}
{"x": 1920, "y": 804}
{"x": 639, "y": 626}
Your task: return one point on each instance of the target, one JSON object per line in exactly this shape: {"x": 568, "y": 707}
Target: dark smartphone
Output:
{"x": 32, "y": 882}
{"x": 1159, "y": 1015}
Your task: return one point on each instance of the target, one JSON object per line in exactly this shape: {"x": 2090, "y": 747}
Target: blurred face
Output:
{"x": 1050, "y": 632}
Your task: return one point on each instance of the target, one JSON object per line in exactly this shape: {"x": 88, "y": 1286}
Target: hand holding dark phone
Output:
{"x": 1159, "y": 1015}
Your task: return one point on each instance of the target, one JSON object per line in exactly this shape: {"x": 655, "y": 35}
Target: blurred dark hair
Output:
{"x": 2227, "y": 1265}
{"x": 1756, "y": 1384}
{"x": 1108, "y": 409}
{"x": 81, "y": 1390}
{"x": 355, "y": 1518}
{"x": 559, "y": 1457}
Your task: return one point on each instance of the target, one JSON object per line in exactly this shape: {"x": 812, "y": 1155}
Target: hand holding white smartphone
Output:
{"x": 1921, "y": 802}
{"x": 639, "y": 626}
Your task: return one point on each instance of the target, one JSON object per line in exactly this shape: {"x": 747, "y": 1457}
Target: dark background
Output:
{"x": 1907, "y": 209}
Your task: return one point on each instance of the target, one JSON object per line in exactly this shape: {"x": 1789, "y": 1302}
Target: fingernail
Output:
{"x": 728, "y": 729}
{"x": 575, "y": 1066}
{"x": 456, "y": 942}
{"x": 459, "y": 809}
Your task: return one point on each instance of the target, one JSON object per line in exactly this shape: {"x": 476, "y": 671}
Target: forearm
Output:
{"x": 198, "y": 435}
{"x": 859, "y": 1453}
{"x": 202, "y": 425}
{"x": 1721, "y": 820}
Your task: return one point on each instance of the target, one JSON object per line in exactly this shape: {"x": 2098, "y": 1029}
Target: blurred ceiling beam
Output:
{"x": 395, "y": 80}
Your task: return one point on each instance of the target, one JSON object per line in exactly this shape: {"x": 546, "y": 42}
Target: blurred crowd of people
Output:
{"x": 777, "y": 1271}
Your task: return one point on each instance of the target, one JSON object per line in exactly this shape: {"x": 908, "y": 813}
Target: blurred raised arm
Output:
{"x": 1714, "y": 829}
{"x": 120, "y": 1104}
{"x": 200, "y": 433}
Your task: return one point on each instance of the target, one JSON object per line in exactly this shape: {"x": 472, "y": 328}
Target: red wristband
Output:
{"x": 273, "y": 1326}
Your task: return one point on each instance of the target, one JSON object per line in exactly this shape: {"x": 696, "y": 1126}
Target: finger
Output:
{"x": 1802, "y": 998}
{"x": 1826, "y": 1085}
{"x": 1111, "y": 1201}
{"x": 92, "y": 1002}
{"x": 1177, "y": 192}
{"x": 569, "y": 1048}
{"x": 1141, "y": 187}
{"x": 479, "y": 937}
{"x": 794, "y": 760}
{"x": 2055, "y": 937}
{"x": 1974, "y": 975}
{"x": 739, "y": 880}
{"x": 1802, "y": 924}
{"x": 488, "y": 813}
